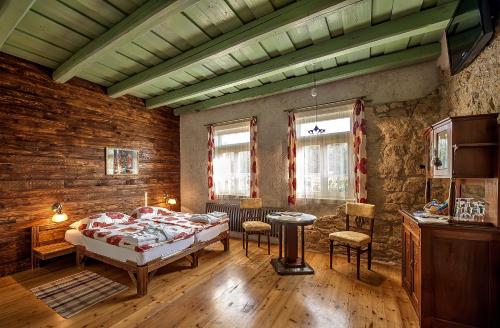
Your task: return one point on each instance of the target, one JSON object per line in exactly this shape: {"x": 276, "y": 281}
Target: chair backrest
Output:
{"x": 361, "y": 212}
{"x": 250, "y": 208}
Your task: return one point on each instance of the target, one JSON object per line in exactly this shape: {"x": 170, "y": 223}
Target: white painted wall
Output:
{"x": 390, "y": 86}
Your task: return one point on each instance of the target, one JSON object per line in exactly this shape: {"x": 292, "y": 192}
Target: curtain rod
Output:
{"x": 334, "y": 103}
{"x": 230, "y": 121}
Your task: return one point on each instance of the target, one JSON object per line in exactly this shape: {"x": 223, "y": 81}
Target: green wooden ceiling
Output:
{"x": 200, "y": 54}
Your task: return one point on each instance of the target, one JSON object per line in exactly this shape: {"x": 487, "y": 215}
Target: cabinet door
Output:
{"x": 406, "y": 265}
{"x": 415, "y": 271}
{"x": 441, "y": 151}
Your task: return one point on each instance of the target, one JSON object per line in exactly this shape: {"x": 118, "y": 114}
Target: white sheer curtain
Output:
{"x": 232, "y": 160}
{"x": 324, "y": 163}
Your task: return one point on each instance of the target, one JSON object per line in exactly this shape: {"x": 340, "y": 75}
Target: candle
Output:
{"x": 145, "y": 198}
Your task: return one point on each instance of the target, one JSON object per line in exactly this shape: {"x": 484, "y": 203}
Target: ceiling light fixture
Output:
{"x": 314, "y": 94}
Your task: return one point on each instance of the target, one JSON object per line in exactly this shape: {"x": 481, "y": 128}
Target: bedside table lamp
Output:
{"x": 169, "y": 201}
{"x": 59, "y": 216}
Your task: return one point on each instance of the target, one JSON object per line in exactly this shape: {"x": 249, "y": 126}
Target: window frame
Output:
{"x": 323, "y": 141}
{"x": 236, "y": 149}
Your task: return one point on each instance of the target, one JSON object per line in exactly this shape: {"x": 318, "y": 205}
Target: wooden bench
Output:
{"x": 48, "y": 242}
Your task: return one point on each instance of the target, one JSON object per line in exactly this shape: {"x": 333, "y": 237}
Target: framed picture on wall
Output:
{"x": 121, "y": 161}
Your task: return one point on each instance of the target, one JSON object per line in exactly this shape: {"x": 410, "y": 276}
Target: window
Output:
{"x": 232, "y": 160}
{"x": 324, "y": 164}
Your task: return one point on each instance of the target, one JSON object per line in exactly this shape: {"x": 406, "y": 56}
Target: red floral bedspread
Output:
{"x": 177, "y": 225}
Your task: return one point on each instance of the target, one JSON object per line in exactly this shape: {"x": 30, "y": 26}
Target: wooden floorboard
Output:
{"x": 225, "y": 290}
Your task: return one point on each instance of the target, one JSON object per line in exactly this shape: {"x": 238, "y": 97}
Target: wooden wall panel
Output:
{"x": 52, "y": 143}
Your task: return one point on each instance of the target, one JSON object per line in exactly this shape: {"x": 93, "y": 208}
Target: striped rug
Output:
{"x": 71, "y": 295}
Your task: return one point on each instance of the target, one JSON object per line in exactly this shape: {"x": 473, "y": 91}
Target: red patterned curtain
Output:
{"x": 254, "y": 183}
{"x": 359, "y": 133}
{"x": 210, "y": 166}
{"x": 292, "y": 156}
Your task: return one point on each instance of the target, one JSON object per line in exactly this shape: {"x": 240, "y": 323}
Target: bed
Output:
{"x": 111, "y": 243}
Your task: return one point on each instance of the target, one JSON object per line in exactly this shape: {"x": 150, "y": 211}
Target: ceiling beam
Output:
{"x": 278, "y": 21}
{"x": 11, "y": 13}
{"x": 140, "y": 21}
{"x": 426, "y": 21}
{"x": 372, "y": 65}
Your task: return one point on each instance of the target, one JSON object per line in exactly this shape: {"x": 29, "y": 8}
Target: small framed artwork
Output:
{"x": 121, "y": 161}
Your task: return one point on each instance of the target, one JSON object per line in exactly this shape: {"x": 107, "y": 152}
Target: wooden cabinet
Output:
{"x": 464, "y": 147}
{"x": 451, "y": 273}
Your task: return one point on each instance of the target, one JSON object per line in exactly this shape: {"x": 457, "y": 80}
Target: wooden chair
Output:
{"x": 48, "y": 242}
{"x": 361, "y": 242}
{"x": 251, "y": 218}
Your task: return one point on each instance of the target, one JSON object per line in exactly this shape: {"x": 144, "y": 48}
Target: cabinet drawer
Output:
{"x": 411, "y": 225}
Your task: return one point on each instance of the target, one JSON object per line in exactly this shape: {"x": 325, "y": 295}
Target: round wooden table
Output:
{"x": 291, "y": 263}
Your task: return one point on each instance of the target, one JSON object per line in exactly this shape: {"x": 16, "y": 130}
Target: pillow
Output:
{"x": 147, "y": 212}
{"x": 76, "y": 224}
{"x": 102, "y": 220}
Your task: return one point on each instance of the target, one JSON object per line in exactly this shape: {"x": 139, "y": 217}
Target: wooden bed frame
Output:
{"x": 142, "y": 274}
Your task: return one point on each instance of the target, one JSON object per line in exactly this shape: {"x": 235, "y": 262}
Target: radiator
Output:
{"x": 233, "y": 211}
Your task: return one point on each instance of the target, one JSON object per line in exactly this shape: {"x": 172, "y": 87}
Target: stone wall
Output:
{"x": 476, "y": 89}
{"x": 395, "y": 151}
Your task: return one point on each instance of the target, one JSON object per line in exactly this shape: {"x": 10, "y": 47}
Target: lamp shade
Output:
{"x": 59, "y": 217}
{"x": 171, "y": 201}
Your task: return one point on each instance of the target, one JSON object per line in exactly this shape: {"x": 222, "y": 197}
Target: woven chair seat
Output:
{"x": 256, "y": 226}
{"x": 353, "y": 238}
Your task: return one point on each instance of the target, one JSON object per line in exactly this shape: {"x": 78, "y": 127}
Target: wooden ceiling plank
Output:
{"x": 381, "y": 11}
{"x": 402, "y": 8}
{"x": 200, "y": 18}
{"x": 430, "y": 20}
{"x": 376, "y": 64}
{"x": 11, "y": 13}
{"x": 187, "y": 30}
{"x": 157, "y": 45}
{"x": 134, "y": 25}
{"x": 259, "y": 7}
{"x": 220, "y": 14}
{"x": 171, "y": 37}
{"x": 121, "y": 63}
{"x": 275, "y": 22}
{"x": 127, "y": 6}
{"x": 354, "y": 18}
{"x": 51, "y": 31}
{"x": 67, "y": 16}
{"x": 300, "y": 36}
{"x": 92, "y": 78}
{"x": 200, "y": 72}
{"x": 168, "y": 84}
{"x": 405, "y": 7}
{"x": 241, "y": 9}
{"x": 22, "y": 53}
{"x": 139, "y": 54}
{"x": 36, "y": 45}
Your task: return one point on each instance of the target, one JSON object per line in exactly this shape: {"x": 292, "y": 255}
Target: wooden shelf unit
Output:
{"x": 464, "y": 149}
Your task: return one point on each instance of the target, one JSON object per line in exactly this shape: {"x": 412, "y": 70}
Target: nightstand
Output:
{"x": 48, "y": 242}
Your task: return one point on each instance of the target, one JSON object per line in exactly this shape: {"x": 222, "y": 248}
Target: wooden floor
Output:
{"x": 226, "y": 290}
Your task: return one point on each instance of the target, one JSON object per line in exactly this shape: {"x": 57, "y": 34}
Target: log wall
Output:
{"x": 52, "y": 146}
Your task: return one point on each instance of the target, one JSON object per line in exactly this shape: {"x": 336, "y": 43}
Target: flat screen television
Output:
{"x": 469, "y": 31}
